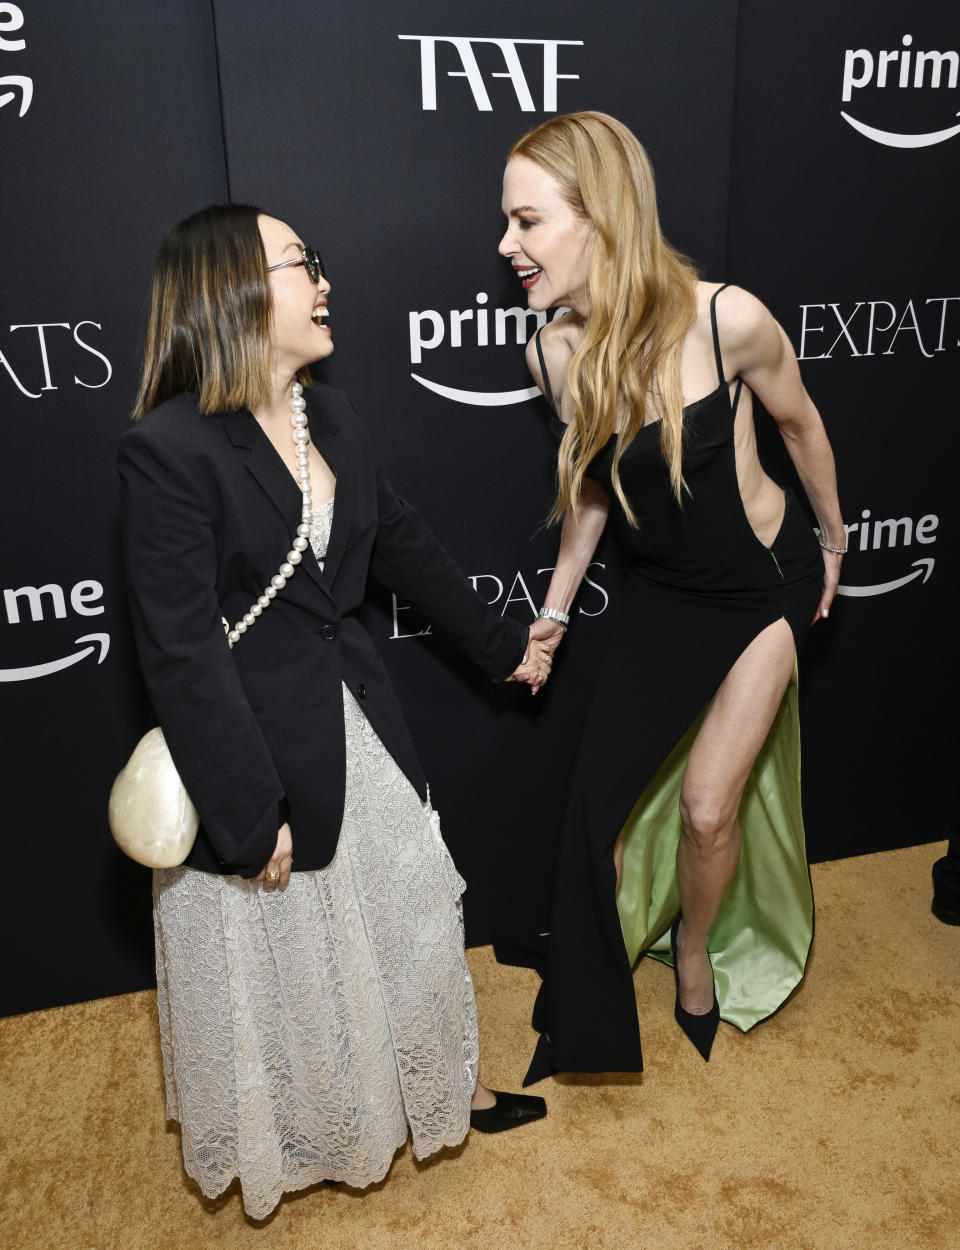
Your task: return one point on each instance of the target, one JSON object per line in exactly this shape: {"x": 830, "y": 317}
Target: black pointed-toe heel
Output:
{"x": 701, "y": 1029}
{"x": 509, "y": 1111}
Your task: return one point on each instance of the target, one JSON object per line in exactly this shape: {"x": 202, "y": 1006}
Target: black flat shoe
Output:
{"x": 701, "y": 1029}
{"x": 509, "y": 1111}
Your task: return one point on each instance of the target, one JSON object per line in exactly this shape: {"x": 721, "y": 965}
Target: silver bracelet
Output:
{"x": 837, "y": 551}
{"x": 554, "y": 614}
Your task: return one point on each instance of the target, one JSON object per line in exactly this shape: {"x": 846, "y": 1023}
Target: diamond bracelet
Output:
{"x": 837, "y": 551}
{"x": 554, "y": 614}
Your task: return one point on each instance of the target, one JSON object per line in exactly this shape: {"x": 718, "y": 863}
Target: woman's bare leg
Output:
{"x": 733, "y": 731}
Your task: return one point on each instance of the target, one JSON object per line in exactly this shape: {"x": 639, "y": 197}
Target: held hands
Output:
{"x": 547, "y": 632}
{"x": 545, "y": 637}
{"x": 276, "y": 873}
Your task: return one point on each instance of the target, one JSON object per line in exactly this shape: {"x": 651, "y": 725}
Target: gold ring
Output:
{"x": 273, "y": 876}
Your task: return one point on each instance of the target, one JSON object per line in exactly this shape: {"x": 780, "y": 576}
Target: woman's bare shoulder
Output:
{"x": 567, "y": 329}
{"x": 558, "y": 341}
{"x": 740, "y": 315}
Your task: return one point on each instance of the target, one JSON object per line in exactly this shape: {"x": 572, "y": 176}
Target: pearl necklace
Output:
{"x": 301, "y": 440}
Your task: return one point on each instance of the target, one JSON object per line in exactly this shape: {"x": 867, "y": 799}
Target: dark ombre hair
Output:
{"x": 209, "y": 327}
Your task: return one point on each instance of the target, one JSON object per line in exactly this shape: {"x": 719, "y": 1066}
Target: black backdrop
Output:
{"x": 789, "y": 159}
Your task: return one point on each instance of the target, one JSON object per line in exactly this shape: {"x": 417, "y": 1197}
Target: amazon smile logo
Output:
{"x": 476, "y": 327}
{"x": 868, "y": 534}
{"x": 904, "y": 68}
{"x": 14, "y": 88}
{"x": 36, "y": 604}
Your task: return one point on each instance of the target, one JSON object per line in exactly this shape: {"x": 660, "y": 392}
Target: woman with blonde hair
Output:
{"x": 315, "y": 1003}
{"x": 684, "y": 808}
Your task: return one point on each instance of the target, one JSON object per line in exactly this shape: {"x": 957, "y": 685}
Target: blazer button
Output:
{"x": 328, "y": 632}
{"x": 361, "y": 691}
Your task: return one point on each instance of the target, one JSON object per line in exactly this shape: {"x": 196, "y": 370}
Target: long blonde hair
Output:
{"x": 642, "y": 295}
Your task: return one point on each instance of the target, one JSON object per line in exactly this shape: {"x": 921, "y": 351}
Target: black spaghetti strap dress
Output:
{"x": 699, "y": 587}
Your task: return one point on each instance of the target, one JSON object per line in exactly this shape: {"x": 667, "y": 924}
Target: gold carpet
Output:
{"x": 831, "y": 1127}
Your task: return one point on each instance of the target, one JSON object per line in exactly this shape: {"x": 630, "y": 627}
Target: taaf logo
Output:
{"x": 11, "y": 19}
{"x": 868, "y": 534}
{"x": 873, "y": 327}
{"x": 904, "y": 68}
{"x": 473, "y": 327}
{"x": 36, "y": 604}
{"x": 465, "y": 47}
{"x": 32, "y": 356}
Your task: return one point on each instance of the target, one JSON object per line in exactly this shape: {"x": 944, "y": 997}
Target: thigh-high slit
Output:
{"x": 700, "y": 587}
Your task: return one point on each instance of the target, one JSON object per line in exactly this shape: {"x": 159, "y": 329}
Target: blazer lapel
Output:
{"x": 275, "y": 480}
{"x": 325, "y": 433}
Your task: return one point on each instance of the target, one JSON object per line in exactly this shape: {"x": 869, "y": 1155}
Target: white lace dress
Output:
{"x": 305, "y": 1033}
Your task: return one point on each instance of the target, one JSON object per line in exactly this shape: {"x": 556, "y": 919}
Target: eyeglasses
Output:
{"x": 310, "y": 259}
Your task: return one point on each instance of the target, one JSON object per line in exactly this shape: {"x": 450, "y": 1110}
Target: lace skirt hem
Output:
{"x": 306, "y": 1034}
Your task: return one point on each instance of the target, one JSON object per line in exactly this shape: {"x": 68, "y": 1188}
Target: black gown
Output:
{"x": 699, "y": 587}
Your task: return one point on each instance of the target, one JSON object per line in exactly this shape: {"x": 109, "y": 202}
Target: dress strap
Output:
{"x": 736, "y": 396}
{"x": 544, "y": 374}
{"x": 716, "y": 347}
{"x": 713, "y": 326}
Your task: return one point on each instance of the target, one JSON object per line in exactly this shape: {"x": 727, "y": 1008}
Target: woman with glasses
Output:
{"x": 315, "y": 1002}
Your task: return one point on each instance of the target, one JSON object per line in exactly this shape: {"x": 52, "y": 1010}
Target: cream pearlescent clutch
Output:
{"x": 150, "y": 813}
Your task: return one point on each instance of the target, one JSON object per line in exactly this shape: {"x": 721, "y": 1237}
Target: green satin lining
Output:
{"x": 761, "y": 937}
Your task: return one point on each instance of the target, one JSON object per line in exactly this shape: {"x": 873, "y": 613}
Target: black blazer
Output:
{"x": 208, "y": 513}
